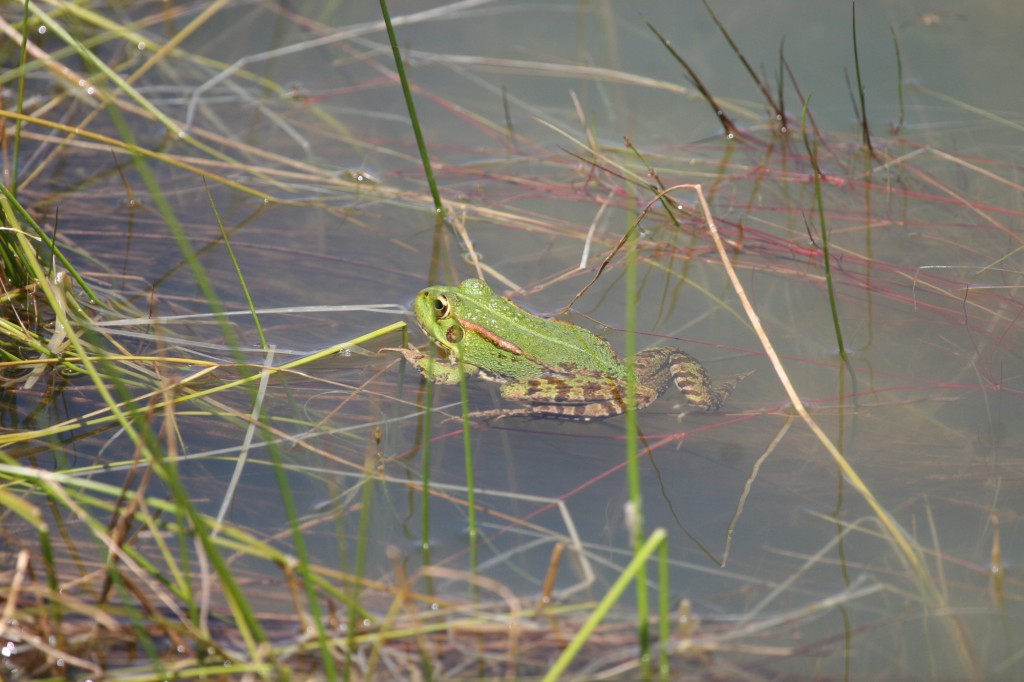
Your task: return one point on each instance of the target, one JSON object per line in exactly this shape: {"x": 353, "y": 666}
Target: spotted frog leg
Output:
{"x": 556, "y": 396}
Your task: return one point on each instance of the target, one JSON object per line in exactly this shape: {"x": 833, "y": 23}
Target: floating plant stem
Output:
{"x": 899, "y": 537}
{"x": 658, "y": 187}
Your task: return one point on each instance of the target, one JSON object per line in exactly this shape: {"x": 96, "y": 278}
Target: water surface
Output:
{"x": 525, "y": 107}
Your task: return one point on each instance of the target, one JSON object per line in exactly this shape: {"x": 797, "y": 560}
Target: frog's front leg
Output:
{"x": 434, "y": 369}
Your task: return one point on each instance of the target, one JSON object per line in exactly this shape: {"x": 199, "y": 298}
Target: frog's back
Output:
{"x": 544, "y": 343}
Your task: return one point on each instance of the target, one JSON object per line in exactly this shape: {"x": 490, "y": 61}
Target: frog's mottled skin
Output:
{"x": 564, "y": 371}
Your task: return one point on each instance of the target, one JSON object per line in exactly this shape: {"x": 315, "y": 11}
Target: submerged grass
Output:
{"x": 146, "y": 556}
{"x": 812, "y": 155}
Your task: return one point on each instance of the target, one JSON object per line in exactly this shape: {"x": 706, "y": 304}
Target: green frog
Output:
{"x": 562, "y": 370}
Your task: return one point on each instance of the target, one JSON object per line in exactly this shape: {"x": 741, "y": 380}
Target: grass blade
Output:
{"x": 633, "y": 569}
{"x": 730, "y": 128}
{"x": 411, "y": 105}
{"x": 860, "y": 86}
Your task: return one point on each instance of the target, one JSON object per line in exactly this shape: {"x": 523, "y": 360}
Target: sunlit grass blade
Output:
{"x": 664, "y": 613}
{"x": 89, "y": 57}
{"x": 628, "y": 575}
{"x": 635, "y": 510}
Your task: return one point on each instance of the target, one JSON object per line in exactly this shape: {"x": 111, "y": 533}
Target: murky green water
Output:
{"x": 525, "y": 106}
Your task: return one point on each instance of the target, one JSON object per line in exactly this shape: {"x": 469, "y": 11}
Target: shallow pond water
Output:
{"x": 525, "y": 107}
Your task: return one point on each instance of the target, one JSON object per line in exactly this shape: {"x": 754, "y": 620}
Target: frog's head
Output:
{"x": 435, "y": 311}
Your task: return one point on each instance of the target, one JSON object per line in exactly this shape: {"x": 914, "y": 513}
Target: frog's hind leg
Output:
{"x": 578, "y": 398}
{"x": 581, "y": 412}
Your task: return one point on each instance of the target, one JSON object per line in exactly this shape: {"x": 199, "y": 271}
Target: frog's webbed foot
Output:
{"x": 434, "y": 369}
{"x": 700, "y": 394}
{"x": 723, "y": 389}
{"x": 411, "y": 355}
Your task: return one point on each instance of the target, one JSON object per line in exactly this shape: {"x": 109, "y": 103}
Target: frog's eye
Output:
{"x": 441, "y": 307}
